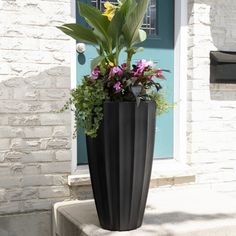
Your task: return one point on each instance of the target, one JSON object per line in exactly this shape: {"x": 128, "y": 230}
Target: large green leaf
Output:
{"x": 78, "y": 32}
{"x": 134, "y": 21}
{"x": 140, "y": 37}
{"x": 117, "y": 22}
{"x": 95, "y": 19}
{"x": 96, "y": 61}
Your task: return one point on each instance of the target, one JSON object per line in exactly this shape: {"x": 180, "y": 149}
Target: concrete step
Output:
{"x": 172, "y": 212}
{"x": 164, "y": 173}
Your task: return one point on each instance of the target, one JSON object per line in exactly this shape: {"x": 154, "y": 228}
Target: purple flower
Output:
{"x": 116, "y": 70}
{"x": 142, "y": 65}
{"x": 117, "y": 86}
{"x": 95, "y": 72}
{"x": 159, "y": 73}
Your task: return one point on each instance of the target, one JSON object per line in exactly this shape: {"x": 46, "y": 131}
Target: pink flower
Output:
{"x": 95, "y": 72}
{"x": 117, "y": 86}
{"x": 115, "y": 71}
{"x": 142, "y": 65}
{"x": 159, "y": 73}
{"x": 124, "y": 65}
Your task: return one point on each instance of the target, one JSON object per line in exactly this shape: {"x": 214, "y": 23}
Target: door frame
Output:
{"x": 180, "y": 85}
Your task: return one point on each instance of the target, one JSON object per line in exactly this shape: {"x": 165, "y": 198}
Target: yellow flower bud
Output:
{"x": 110, "y": 10}
{"x": 108, "y": 5}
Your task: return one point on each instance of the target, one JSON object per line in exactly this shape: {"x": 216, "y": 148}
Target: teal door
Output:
{"x": 159, "y": 47}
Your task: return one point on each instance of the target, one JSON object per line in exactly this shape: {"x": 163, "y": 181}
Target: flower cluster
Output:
{"x": 119, "y": 81}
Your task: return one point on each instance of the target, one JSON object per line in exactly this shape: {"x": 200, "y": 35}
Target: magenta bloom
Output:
{"x": 117, "y": 86}
{"x": 142, "y": 65}
{"x": 116, "y": 70}
{"x": 149, "y": 77}
{"x": 159, "y": 73}
{"x": 95, "y": 72}
{"x": 124, "y": 65}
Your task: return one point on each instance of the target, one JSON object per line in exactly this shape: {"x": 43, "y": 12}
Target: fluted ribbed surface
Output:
{"x": 120, "y": 162}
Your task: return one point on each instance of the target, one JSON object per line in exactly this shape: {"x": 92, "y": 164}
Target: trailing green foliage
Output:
{"x": 162, "y": 104}
{"x": 87, "y": 100}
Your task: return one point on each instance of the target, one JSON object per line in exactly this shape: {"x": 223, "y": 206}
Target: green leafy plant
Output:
{"x": 110, "y": 33}
{"x": 87, "y": 100}
{"x": 117, "y": 28}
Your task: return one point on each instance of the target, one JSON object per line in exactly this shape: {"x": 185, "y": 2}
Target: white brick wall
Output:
{"x": 35, "y": 155}
{"x": 211, "y": 108}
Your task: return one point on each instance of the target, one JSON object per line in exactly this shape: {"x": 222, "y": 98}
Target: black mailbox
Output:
{"x": 223, "y": 67}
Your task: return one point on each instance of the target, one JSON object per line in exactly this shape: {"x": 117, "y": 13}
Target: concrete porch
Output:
{"x": 181, "y": 211}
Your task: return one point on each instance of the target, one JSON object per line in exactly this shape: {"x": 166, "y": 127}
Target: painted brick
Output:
{"x": 60, "y": 180}
{"x": 37, "y": 180}
{"x": 3, "y": 195}
{"x": 9, "y": 132}
{"x": 34, "y": 83}
{"x": 57, "y": 167}
{"x": 10, "y": 207}
{"x": 21, "y": 193}
{"x": 211, "y": 107}
{"x": 14, "y": 155}
{"x": 37, "y": 205}
{"x": 39, "y": 156}
{"x": 4, "y": 143}
{"x": 31, "y": 94}
{"x": 32, "y": 169}
{"x": 54, "y": 94}
{"x": 62, "y": 131}
{"x": 2, "y": 156}
{"x": 4, "y": 120}
{"x": 57, "y": 143}
{"x": 62, "y": 83}
{"x": 38, "y": 132}
{"x": 63, "y": 155}
{"x": 55, "y": 191}
{"x": 24, "y": 120}
{"x": 10, "y": 182}
{"x": 55, "y": 119}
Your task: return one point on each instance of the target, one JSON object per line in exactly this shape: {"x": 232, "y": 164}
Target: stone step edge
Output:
{"x": 156, "y": 181}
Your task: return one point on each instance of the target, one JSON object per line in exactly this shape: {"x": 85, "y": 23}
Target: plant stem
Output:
{"x": 117, "y": 56}
{"x": 129, "y": 57}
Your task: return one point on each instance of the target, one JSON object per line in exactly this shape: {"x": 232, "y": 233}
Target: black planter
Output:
{"x": 120, "y": 163}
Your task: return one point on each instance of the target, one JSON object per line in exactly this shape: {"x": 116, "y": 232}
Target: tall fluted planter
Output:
{"x": 120, "y": 163}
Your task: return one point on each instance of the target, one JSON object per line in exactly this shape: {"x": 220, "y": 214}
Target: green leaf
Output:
{"x": 115, "y": 27}
{"x": 95, "y": 19}
{"x": 96, "y": 61}
{"x": 134, "y": 22}
{"x": 121, "y": 1}
{"x": 142, "y": 36}
{"x": 140, "y": 49}
{"x": 78, "y": 32}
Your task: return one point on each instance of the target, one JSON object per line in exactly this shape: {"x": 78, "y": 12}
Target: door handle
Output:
{"x": 80, "y": 48}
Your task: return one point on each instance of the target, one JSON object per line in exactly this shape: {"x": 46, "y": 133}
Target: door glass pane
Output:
{"x": 150, "y": 21}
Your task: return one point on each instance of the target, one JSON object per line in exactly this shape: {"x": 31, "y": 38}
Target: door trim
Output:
{"x": 180, "y": 84}
{"x": 180, "y": 81}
